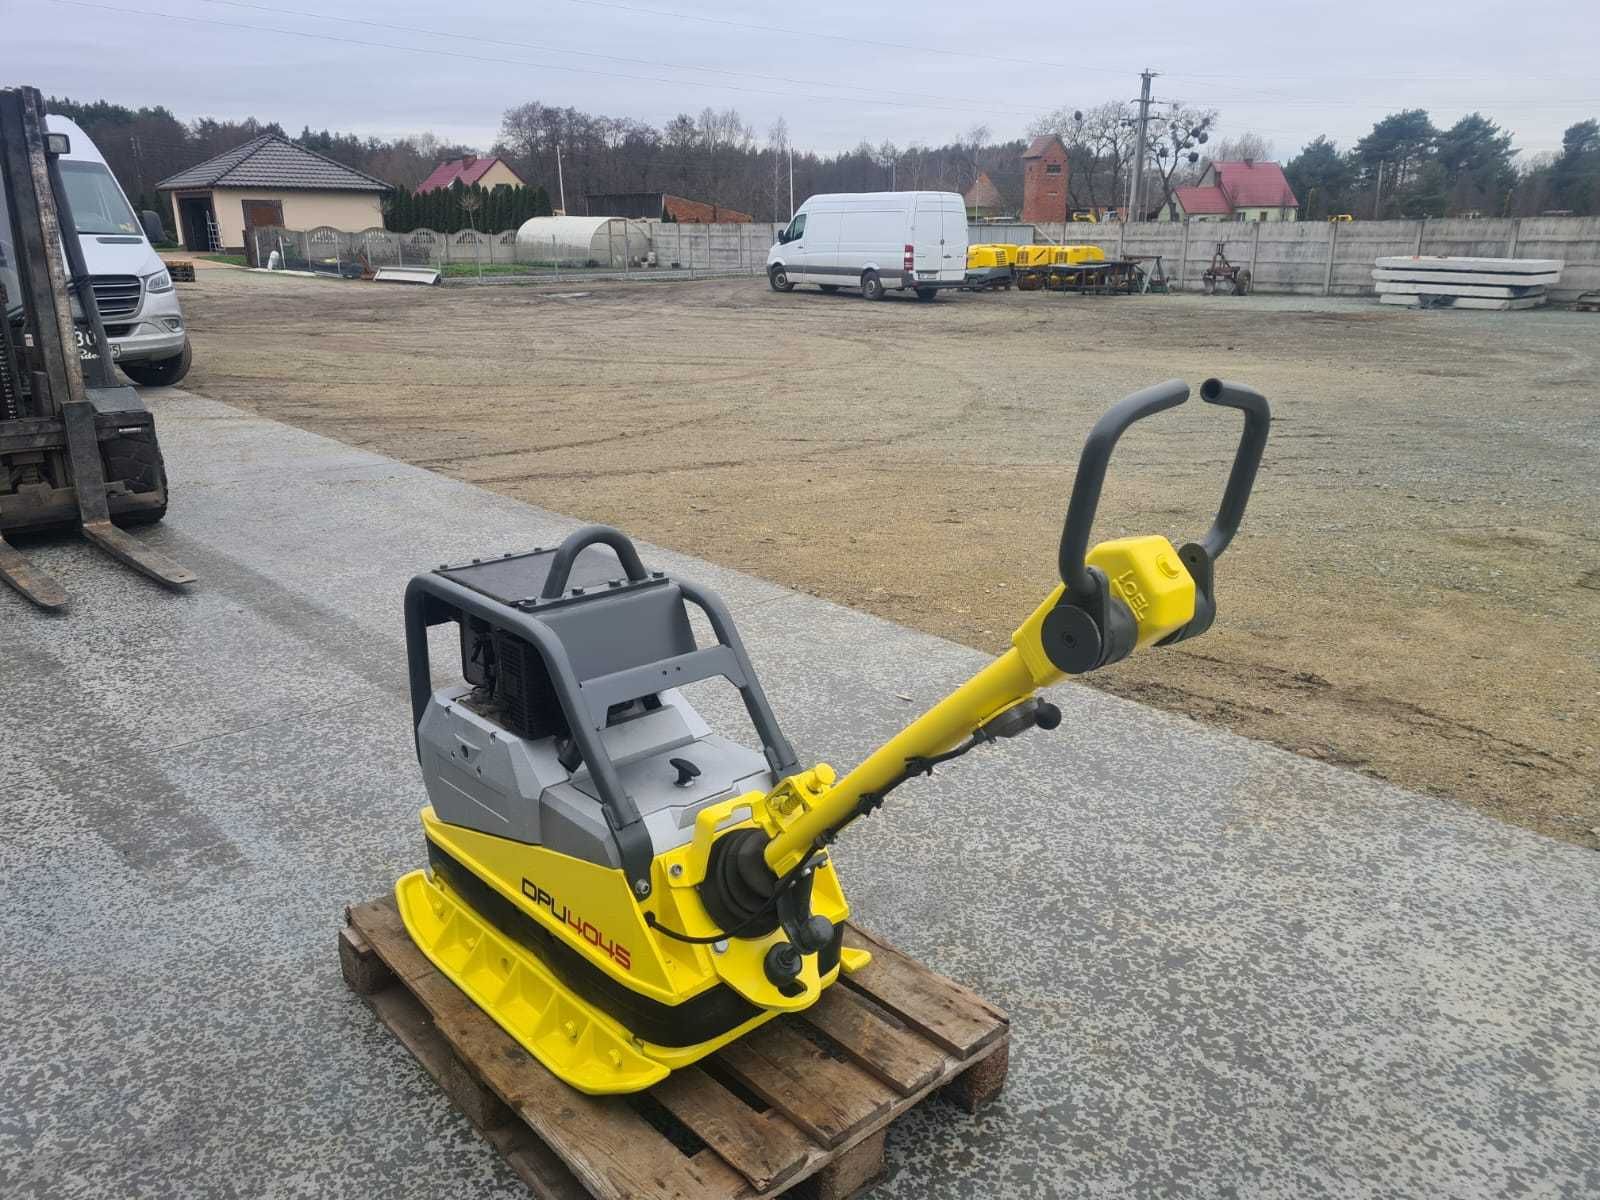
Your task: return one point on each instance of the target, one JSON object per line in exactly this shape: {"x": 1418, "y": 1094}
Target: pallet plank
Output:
{"x": 959, "y": 1021}
{"x": 615, "y": 1153}
{"x": 762, "y": 1147}
{"x": 850, "y": 1173}
{"x": 360, "y": 965}
{"x": 823, "y": 1135}
{"x": 981, "y": 1082}
{"x": 830, "y": 1100}
{"x": 900, "y": 1058}
{"x": 409, "y": 1021}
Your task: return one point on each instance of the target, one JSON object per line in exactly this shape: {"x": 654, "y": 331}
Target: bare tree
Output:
{"x": 1246, "y": 147}
{"x": 778, "y": 148}
{"x": 1175, "y": 137}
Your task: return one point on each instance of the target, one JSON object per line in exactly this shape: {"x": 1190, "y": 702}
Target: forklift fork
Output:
{"x": 74, "y": 385}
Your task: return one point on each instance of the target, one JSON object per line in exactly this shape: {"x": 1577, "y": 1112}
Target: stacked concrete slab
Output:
{"x": 1447, "y": 282}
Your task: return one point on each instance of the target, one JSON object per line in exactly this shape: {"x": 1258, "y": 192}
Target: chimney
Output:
{"x": 468, "y": 160}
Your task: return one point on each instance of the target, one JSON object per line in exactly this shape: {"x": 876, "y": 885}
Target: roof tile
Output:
{"x": 271, "y": 161}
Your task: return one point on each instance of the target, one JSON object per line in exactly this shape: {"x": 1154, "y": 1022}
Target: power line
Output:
{"x": 964, "y": 53}
{"x": 433, "y": 52}
{"x": 1017, "y": 110}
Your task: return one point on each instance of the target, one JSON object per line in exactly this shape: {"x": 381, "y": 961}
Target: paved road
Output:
{"x": 1232, "y": 972}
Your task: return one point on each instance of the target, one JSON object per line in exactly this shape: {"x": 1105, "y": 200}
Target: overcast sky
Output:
{"x": 836, "y": 71}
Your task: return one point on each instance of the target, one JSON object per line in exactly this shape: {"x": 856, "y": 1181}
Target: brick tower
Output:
{"x": 1044, "y": 180}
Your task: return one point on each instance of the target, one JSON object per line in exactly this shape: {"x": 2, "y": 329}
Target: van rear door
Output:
{"x": 953, "y": 239}
{"x": 927, "y": 237}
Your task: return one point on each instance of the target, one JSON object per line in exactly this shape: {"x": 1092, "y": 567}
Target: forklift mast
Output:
{"x": 78, "y": 449}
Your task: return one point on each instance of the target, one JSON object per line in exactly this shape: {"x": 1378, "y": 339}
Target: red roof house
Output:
{"x": 490, "y": 171}
{"x": 1238, "y": 191}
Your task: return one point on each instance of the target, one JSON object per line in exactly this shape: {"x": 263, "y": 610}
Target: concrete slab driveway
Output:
{"x": 1231, "y": 972}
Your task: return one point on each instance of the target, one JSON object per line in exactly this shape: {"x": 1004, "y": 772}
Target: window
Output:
{"x": 796, "y": 230}
{"x": 1052, "y": 168}
{"x": 97, "y": 203}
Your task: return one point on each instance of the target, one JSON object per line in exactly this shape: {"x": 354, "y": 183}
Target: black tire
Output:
{"x": 829, "y": 288}
{"x": 136, "y": 462}
{"x": 871, "y": 286}
{"x": 926, "y": 294}
{"x": 160, "y": 372}
{"x": 778, "y": 277}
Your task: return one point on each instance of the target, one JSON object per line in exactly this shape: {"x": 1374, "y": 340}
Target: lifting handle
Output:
{"x": 1092, "y": 475}
{"x": 580, "y": 540}
{"x": 1246, "y": 459}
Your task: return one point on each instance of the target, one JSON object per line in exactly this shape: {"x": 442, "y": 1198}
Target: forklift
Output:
{"x": 78, "y": 448}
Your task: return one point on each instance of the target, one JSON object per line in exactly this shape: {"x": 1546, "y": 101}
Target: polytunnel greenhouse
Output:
{"x": 614, "y": 242}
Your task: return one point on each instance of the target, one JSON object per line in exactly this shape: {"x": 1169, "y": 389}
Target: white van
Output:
{"x": 137, "y": 301}
{"x": 875, "y": 241}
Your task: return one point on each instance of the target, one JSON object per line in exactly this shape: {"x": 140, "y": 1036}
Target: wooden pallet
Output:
{"x": 801, "y": 1106}
{"x": 181, "y": 270}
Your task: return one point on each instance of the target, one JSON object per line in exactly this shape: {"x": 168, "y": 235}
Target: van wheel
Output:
{"x": 927, "y": 293}
{"x": 830, "y": 288}
{"x": 871, "y": 286}
{"x": 779, "y": 279}
{"x": 160, "y": 372}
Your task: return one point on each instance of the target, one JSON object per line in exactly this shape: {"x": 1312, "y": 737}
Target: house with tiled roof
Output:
{"x": 265, "y": 182}
{"x": 984, "y": 199}
{"x": 1237, "y": 191}
{"x": 488, "y": 171}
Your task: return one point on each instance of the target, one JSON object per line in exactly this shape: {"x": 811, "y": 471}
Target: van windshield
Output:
{"x": 97, "y": 203}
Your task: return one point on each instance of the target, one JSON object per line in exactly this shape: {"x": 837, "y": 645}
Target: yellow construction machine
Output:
{"x": 624, "y": 890}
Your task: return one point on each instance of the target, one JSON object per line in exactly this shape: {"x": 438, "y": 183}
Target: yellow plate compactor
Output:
{"x": 624, "y": 890}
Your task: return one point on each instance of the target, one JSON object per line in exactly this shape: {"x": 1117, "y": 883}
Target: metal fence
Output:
{"x": 722, "y": 249}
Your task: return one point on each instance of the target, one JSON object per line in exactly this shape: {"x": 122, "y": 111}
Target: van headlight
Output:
{"x": 161, "y": 281}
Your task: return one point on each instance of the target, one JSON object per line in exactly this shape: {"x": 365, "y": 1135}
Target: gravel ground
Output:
{"x": 1415, "y": 593}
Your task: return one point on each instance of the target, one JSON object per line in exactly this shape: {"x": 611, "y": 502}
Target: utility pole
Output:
{"x": 791, "y": 183}
{"x": 1136, "y": 188}
{"x": 138, "y": 161}
{"x": 1377, "y": 196}
{"x": 561, "y": 183}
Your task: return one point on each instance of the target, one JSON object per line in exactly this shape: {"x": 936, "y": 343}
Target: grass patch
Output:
{"x": 457, "y": 270}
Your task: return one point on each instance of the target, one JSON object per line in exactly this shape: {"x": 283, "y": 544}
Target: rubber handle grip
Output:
{"x": 1246, "y": 459}
{"x": 1092, "y": 475}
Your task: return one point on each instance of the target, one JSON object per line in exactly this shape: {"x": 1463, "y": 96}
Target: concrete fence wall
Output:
{"x": 721, "y": 248}
{"x": 1322, "y": 259}
{"x": 1309, "y": 258}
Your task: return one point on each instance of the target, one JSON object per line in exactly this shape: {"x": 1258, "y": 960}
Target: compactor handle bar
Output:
{"x": 1103, "y": 439}
{"x": 580, "y": 540}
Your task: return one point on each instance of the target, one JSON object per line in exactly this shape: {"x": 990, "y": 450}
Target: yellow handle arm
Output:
{"x": 1008, "y": 680}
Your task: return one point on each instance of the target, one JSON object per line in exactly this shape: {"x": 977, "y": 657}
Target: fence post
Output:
{"x": 1422, "y": 230}
{"x": 554, "y": 261}
{"x": 1516, "y": 233}
{"x": 1183, "y": 257}
{"x": 1333, "y": 244}
{"x": 1255, "y": 253}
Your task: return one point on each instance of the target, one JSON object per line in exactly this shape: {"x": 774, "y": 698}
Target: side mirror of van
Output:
{"x": 152, "y": 226}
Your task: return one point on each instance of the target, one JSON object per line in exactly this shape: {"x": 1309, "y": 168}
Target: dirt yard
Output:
{"x": 1415, "y": 593}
